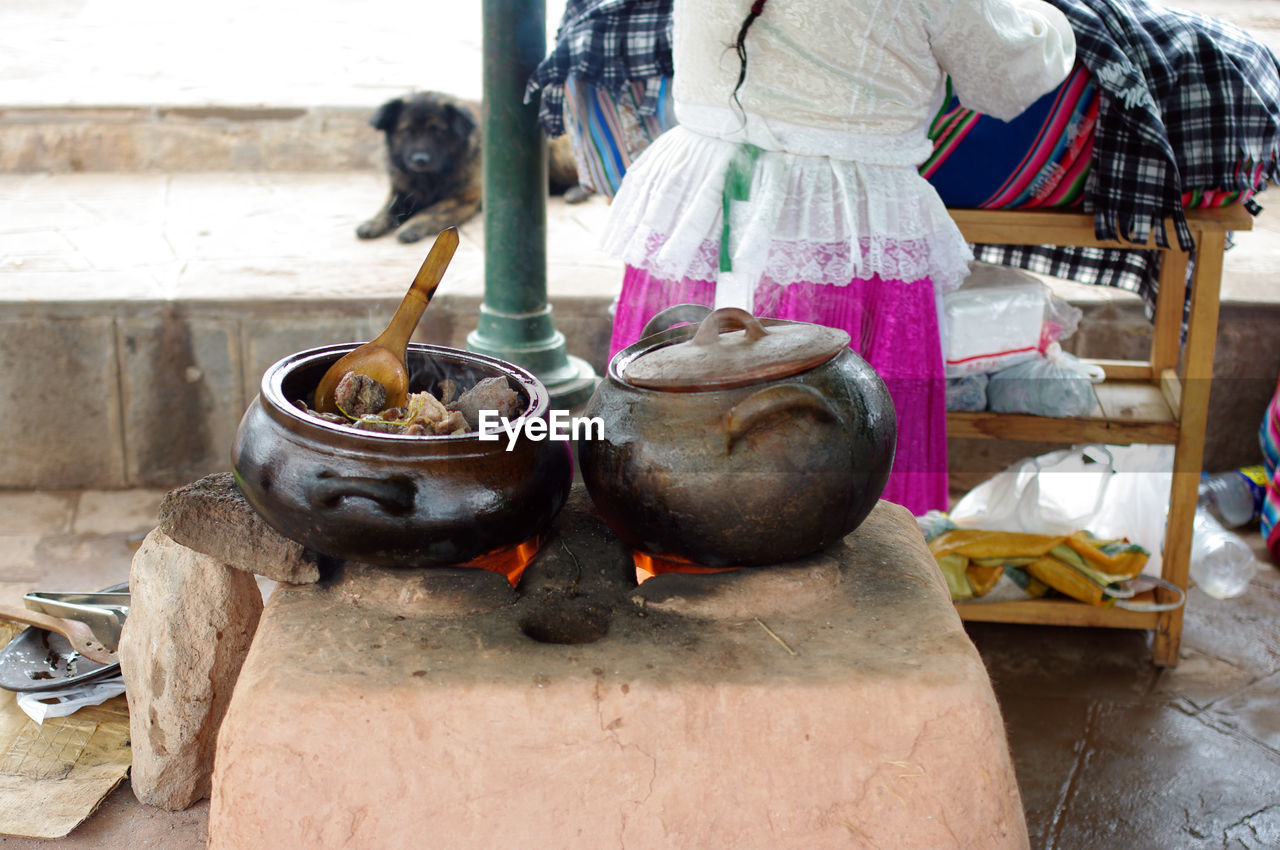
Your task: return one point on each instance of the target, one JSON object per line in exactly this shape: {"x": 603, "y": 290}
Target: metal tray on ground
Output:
{"x": 39, "y": 660}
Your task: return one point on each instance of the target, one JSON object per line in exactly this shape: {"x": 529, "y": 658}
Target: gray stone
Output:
{"x": 180, "y": 391}
{"x": 61, "y": 428}
{"x": 191, "y": 620}
{"x": 280, "y": 330}
{"x": 212, "y": 516}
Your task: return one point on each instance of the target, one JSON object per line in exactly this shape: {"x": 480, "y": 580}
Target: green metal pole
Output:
{"x": 515, "y": 318}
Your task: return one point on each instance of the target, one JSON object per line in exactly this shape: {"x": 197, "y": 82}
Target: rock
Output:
{"x": 212, "y": 516}
{"x": 191, "y": 620}
{"x": 490, "y": 394}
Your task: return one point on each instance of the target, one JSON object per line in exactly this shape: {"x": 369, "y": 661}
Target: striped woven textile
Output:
{"x": 1269, "y": 436}
{"x": 609, "y": 130}
{"x": 1039, "y": 159}
{"x": 1043, "y": 158}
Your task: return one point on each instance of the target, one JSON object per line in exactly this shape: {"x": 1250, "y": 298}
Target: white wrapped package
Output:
{"x": 41, "y": 705}
{"x": 993, "y": 321}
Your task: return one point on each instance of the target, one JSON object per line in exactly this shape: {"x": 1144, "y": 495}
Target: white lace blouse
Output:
{"x": 831, "y": 127}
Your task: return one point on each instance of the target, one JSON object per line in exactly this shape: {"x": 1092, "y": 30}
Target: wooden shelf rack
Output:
{"x": 1164, "y": 399}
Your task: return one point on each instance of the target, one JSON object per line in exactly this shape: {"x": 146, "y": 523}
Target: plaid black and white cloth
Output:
{"x": 1188, "y": 103}
{"x": 605, "y": 43}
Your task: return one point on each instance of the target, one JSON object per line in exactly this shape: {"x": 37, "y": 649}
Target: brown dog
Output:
{"x": 434, "y": 162}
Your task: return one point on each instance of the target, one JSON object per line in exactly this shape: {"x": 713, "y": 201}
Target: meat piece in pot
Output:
{"x": 359, "y": 395}
{"x": 490, "y": 394}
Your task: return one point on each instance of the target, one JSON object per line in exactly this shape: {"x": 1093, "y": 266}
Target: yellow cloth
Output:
{"x": 1077, "y": 565}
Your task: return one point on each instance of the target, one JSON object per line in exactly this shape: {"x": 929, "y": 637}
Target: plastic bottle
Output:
{"x": 1221, "y": 563}
{"x": 1234, "y": 498}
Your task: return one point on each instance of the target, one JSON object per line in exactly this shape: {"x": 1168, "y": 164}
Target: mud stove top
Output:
{"x": 832, "y": 701}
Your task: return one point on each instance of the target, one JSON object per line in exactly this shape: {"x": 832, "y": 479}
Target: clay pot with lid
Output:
{"x": 741, "y": 442}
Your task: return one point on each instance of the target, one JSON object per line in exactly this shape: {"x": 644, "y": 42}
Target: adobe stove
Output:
{"x": 818, "y": 694}
{"x": 830, "y": 701}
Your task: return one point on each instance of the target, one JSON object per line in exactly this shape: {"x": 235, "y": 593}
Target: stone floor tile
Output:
{"x": 33, "y": 251}
{"x": 1045, "y": 737}
{"x": 18, "y": 559}
{"x": 70, "y": 286}
{"x": 35, "y": 204}
{"x": 1253, "y": 711}
{"x": 278, "y": 235}
{"x": 1244, "y": 630}
{"x": 117, "y": 511}
{"x": 225, "y": 216}
{"x": 11, "y": 593}
{"x": 36, "y": 512}
{"x": 1200, "y": 679}
{"x": 1152, "y": 776}
{"x": 120, "y": 246}
{"x": 368, "y": 56}
{"x": 172, "y": 364}
{"x": 1043, "y": 661}
{"x": 87, "y": 562}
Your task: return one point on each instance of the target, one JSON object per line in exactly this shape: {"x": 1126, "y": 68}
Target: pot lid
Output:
{"x": 732, "y": 349}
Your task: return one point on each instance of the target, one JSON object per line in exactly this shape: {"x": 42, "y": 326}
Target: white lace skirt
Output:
{"x": 807, "y": 219}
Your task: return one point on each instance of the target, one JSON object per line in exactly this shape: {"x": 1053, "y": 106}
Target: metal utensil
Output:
{"x": 77, "y": 633}
{"x": 104, "y": 618}
{"x": 111, "y": 598}
{"x": 38, "y": 660}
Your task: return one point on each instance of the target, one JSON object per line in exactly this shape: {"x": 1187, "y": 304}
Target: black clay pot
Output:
{"x": 397, "y": 500}
{"x": 741, "y": 442}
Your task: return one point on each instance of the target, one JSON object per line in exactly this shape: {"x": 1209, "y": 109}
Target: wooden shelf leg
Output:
{"x": 1197, "y": 375}
{"x": 1166, "y": 325}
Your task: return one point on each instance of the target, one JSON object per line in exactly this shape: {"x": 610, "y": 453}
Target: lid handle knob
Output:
{"x": 728, "y": 318}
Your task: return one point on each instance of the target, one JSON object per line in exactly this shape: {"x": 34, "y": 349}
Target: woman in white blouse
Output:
{"x": 814, "y": 114}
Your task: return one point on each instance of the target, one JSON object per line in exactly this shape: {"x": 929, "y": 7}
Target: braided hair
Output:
{"x": 740, "y": 46}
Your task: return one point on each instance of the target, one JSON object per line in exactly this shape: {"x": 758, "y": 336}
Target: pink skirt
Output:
{"x": 894, "y": 327}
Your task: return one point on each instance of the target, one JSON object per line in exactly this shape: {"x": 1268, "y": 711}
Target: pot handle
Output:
{"x": 678, "y": 314}
{"x": 728, "y": 318}
{"x": 760, "y": 405}
{"x": 393, "y": 494}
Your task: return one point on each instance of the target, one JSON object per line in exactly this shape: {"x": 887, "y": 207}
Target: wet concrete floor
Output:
{"x": 1112, "y": 752}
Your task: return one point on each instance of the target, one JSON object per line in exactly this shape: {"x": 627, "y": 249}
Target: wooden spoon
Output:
{"x": 77, "y": 633}
{"x": 382, "y": 358}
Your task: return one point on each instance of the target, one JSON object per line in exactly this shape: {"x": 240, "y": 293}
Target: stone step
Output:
{"x": 138, "y": 311}
{"x": 38, "y": 139}
{"x": 60, "y": 139}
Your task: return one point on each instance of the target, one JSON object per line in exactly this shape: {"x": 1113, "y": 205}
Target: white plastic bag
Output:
{"x": 968, "y": 393}
{"x": 1056, "y": 384}
{"x": 1000, "y": 317}
{"x": 1110, "y": 491}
